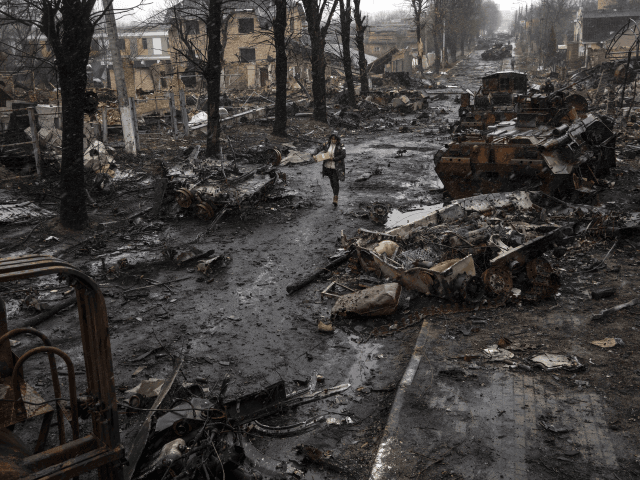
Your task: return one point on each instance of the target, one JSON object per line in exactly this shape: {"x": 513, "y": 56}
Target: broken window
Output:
{"x": 504, "y": 83}
{"x": 247, "y": 55}
{"x": 245, "y": 25}
{"x": 144, "y": 44}
{"x": 192, "y": 27}
{"x": 120, "y": 44}
{"x": 520, "y": 83}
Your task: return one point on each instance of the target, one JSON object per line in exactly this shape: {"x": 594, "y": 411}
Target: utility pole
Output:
{"x": 444, "y": 27}
{"x": 121, "y": 87}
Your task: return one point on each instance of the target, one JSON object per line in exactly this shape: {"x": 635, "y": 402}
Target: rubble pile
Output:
{"x": 208, "y": 436}
{"x": 209, "y": 187}
{"x": 480, "y": 252}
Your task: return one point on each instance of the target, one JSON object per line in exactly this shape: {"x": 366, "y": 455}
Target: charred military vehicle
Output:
{"x": 494, "y": 102}
{"x": 505, "y": 95}
{"x": 497, "y": 52}
{"x": 547, "y": 158}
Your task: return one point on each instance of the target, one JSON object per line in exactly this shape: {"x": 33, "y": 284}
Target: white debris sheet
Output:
{"x": 19, "y": 212}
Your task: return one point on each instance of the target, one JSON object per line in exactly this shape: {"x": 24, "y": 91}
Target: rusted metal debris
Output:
{"x": 100, "y": 450}
{"x": 506, "y": 96}
{"x": 141, "y": 438}
{"x": 208, "y": 435}
{"x": 214, "y": 188}
{"x": 450, "y": 254}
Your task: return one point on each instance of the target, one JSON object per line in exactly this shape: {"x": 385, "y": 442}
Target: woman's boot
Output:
{"x": 335, "y": 200}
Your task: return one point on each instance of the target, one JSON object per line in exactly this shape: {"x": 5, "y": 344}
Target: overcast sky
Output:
{"x": 371, "y": 6}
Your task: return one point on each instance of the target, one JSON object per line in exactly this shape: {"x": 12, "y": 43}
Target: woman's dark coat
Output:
{"x": 339, "y": 155}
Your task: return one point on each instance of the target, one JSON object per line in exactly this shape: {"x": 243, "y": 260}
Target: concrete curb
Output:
{"x": 380, "y": 470}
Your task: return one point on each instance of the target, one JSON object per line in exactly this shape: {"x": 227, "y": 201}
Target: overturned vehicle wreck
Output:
{"x": 208, "y": 188}
{"x": 554, "y": 160}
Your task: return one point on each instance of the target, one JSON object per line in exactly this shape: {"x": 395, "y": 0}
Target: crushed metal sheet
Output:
{"x": 552, "y": 361}
{"x": 22, "y": 211}
{"x": 482, "y": 203}
{"x": 496, "y": 354}
{"x": 148, "y": 388}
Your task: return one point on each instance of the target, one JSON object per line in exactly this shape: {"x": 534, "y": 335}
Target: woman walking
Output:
{"x": 332, "y": 154}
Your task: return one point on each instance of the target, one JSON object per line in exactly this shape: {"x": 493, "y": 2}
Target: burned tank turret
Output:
{"x": 506, "y": 95}
{"x": 495, "y": 102}
{"x": 497, "y": 52}
{"x": 510, "y": 157}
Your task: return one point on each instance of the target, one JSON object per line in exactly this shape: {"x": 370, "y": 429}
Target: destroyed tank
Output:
{"x": 495, "y": 101}
{"x": 505, "y": 95}
{"x": 551, "y": 159}
{"x": 497, "y": 52}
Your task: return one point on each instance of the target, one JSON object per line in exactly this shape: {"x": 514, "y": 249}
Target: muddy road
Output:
{"x": 239, "y": 321}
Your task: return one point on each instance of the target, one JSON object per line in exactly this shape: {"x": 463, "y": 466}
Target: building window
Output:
{"x": 293, "y": 24}
{"x": 247, "y": 55}
{"x": 144, "y": 44}
{"x": 376, "y": 49}
{"x": 192, "y": 27}
{"x": 120, "y": 44}
{"x": 245, "y": 25}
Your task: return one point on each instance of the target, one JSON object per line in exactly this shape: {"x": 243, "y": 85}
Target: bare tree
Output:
{"x": 418, "y": 10}
{"x": 362, "y": 60}
{"x": 345, "y": 34}
{"x": 315, "y": 10}
{"x": 281, "y": 27}
{"x": 202, "y": 52}
{"x": 68, "y": 27}
{"x": 280, "y": 42}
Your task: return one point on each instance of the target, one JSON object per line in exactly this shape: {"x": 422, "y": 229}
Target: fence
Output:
{"x": 134, "y": 111}
{"x": 35, "y": 137}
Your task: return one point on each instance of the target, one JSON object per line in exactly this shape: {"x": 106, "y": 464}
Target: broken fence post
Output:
{"x": 183, "y": 111}
{"x": 294, "y": 287}
{"x": 135, "y": 452}
{"x": 105, "y": 126}
{"x": 134, "y": 118}
{"x": 35, "y": 139}
{"x": 172, "y": 108}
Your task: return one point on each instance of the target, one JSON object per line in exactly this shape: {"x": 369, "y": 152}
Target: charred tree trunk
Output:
{"x": 317, "y": 36}
{"x": 453, "y": 46}
{"x": 318, "y": 86}
{"x": 279, "y": 31}
{"x": 436, "y": 46}
{"x": 418, "y": 38}
{"x": 213, "y": 69}
{"x": 71, "y": 51}
{"x": 345, "y": 33}
{"x": 73, "y": 83}
{"x": 362, "y": 60}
